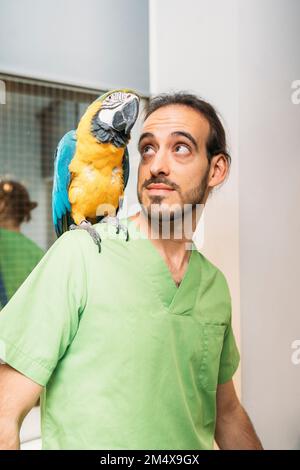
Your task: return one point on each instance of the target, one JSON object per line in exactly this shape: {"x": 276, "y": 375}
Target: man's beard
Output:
{"x": 190, "y": 206}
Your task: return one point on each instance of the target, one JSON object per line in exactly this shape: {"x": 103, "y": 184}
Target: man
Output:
{"x": 134, "y": 347}
{"x": 18, "y": 254}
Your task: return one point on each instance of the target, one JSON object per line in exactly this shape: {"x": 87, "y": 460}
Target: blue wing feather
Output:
{"x": 61, "y": 207}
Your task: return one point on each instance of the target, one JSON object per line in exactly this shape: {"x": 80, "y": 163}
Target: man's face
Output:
{"x": 173, "y": 153}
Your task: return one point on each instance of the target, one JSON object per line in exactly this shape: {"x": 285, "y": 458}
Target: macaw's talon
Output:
{"x": 115, "y": 221}
{"x": 105, "y": 219}
{"x": 124, "y": 229}
{"x": 87, "y": 226}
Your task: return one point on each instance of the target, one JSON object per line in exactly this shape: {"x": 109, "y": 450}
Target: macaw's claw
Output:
{"x": 85, "y": 225}
{"x": 115, "y": 221}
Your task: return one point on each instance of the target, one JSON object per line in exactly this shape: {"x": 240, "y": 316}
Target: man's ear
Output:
{"x": 218, "y": 170}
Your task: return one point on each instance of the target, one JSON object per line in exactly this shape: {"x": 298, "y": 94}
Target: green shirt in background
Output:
{"x": 128, "y": 359}
{"x": 18, "y": 256}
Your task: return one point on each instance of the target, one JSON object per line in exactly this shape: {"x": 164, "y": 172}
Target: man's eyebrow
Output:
{"x": 144, "y": 135}
{"x": 188, "y": 136}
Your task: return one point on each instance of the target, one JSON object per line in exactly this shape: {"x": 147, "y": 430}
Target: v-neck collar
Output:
{"x": 179, "y": 300}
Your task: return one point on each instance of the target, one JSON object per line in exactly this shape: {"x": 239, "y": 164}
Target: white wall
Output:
{"x": 269, "y": 158}
{"x": 93, "y": 43}
{"x": 242, "y": 56}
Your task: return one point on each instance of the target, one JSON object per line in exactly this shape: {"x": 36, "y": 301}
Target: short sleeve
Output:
{"x": 41, "y": 319}
{"x": 230, "y": 357}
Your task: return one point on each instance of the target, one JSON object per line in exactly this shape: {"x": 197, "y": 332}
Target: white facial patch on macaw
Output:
{"x": 106, "y": 115}
{"x": 113, "y": 103}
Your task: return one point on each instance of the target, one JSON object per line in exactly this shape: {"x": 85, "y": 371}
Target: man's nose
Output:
{"x": 160, "y": 163}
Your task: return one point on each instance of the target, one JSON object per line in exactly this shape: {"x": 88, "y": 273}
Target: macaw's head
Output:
{"x": 115, "y": 117}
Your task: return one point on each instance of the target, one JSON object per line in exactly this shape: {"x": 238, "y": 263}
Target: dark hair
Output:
{"x": 17, "y": 204}
{"x": 216, "y": 142}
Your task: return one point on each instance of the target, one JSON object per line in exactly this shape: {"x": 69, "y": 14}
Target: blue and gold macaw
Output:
{"x": 91, "y": 166}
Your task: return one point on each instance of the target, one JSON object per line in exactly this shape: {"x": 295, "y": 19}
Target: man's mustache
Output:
{"x": 160, "y": 181}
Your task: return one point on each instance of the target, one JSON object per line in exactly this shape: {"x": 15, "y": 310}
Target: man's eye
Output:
{"x": 147, "y": 150}
{"x": 182, "y": 149}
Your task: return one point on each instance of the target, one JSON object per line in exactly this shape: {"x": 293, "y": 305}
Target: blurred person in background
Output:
{"x": 18, "y": 254}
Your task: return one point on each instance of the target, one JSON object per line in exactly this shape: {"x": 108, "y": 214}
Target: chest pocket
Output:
{"x": 208, "y": 352}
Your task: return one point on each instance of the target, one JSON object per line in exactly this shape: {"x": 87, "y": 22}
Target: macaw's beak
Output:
{"x": 124, "y": 118}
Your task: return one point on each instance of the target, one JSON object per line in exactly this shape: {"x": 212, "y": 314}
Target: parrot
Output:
{"x": 91, "y": 165}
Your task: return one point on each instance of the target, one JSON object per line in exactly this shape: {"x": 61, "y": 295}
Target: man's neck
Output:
{"x": 173, "y": 250}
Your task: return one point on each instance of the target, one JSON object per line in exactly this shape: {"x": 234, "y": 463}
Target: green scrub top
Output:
{"x": 18, "y": 256}
{"x": 128, "y": 359}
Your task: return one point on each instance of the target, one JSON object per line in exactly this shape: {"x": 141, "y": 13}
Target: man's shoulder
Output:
{"x": 211, "y": 271}
{"x": 81, "y": 240}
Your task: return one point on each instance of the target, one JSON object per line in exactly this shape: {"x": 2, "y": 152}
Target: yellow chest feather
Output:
{"x": 95, "y": 180}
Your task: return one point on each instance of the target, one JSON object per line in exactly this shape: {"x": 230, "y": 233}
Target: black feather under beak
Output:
{"x": 124, "y": 119}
